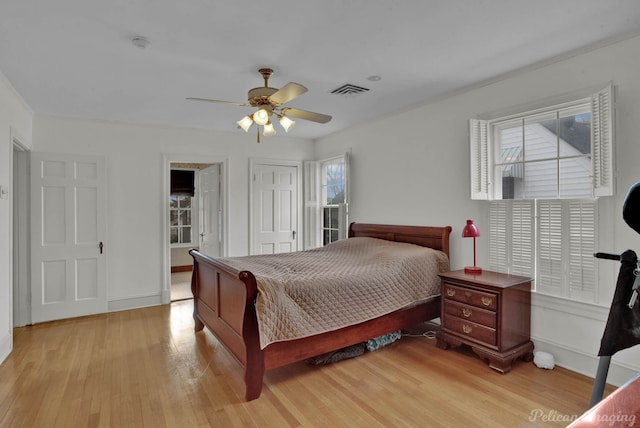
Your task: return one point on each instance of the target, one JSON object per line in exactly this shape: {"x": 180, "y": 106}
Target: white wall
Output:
{"x": 15, "y": 122}
{"x": 134, "y": 156}
{"x": 180, "y": 256}
{"x": 413, "y": 168}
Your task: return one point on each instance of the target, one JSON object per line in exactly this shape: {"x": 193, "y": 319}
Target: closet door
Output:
{"x": 68, "y": 227}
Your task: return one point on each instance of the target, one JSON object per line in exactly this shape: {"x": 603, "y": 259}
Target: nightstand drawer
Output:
{"x": 471, "y": 313}
{"x": 471, "y": 297}
{"x": 472, "y": 330}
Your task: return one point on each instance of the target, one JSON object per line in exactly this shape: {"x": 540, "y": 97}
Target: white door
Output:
{"x": 275, "y": 209}
{"x": 211, "y": 211}
{"x": 67, "y": 236}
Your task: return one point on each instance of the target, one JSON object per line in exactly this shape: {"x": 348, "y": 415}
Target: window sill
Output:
{"x": 573, "y": 307}
{"x": 188, "y": 245}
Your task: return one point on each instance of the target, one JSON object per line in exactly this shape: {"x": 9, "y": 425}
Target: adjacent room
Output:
{"x": 365, "y": 213}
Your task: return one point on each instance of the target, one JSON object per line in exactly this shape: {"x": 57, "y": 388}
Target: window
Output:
{"x": 543, "y": 171}
{"x": 326, "y": 190}
{"x": 333, "y": 199}
{"x": 545, "y": 155}
{"x": 563, "y": 151}
{"x": 180, "y": 210}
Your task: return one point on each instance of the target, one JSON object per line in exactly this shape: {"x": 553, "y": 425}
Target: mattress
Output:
{"x": 347, "y": 282}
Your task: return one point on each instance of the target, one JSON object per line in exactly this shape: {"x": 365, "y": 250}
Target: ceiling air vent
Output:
{"x": 349, "y": 90}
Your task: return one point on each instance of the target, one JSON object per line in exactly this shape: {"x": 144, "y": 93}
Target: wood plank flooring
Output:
{"x": 147, "y": 368}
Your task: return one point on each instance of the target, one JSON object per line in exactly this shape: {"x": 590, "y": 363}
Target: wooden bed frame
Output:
{"x": 224, "y": 301}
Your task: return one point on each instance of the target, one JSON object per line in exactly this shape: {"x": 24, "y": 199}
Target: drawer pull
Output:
{"x": 451, "y": 292}
{"x": 467, "y": 328}
{"x": 487, "y": 301}
{"x": 466, "y": 312}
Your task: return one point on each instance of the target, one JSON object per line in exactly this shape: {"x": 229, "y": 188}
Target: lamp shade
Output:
{"x": 470, "y": 230}
{"x": 261, "y": 117}
{"x": 286, "y": 123}
{"x": 269, "y": 130}
{"x": 245, "y": 123}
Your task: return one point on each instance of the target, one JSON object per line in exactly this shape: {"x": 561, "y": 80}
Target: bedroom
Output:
{"x": 392, "y": 144}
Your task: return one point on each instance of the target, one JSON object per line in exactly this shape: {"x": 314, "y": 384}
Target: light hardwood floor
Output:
{"x": 181, "y": 286}
{"x": 147, "y": 368}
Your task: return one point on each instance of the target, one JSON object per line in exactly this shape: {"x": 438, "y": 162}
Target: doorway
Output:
{"x": 20, "y": 230}
{"x": 195, "y": 218}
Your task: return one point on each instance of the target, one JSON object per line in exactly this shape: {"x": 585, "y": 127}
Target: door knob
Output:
{"x": 294, "y": 234}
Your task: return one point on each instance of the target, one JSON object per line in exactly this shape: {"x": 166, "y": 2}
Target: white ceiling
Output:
{"x": 75, "y": 57}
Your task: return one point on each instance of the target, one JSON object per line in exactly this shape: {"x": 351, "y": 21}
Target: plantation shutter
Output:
{"x": 602, "y": 135}
{"x": 498, "y": 235}
{"x": 511, "y": 235}
{"x": 479, "y": 149}
{"x": 343, "y": 209}
{"x": 522, "y": 253}
{"x": 582, "y": 245}
{"x": 549, "y": 278}
{"x": 312, "y": 224}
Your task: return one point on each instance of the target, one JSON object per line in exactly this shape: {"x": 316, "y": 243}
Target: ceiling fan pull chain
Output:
{"x": 258, "y": 135}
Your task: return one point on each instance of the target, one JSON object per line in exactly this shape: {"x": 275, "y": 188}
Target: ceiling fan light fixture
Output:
{"x": 245, "y": 123}
{"x": 286, "y": 123}
{"x": 261, "y": 117}
{"x": 269, "y": 130}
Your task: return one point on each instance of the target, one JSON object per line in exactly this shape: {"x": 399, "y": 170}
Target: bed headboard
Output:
{"x": 425, "y": 236}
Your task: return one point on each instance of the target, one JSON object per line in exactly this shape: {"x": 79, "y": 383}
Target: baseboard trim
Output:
{"x": 6, "y": 347}
{"x": 127, "y": 303}
{"x": 585, "y": 364}
{"x": 187, "y": 268}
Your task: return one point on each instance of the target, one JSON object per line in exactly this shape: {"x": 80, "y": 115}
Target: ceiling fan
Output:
{"x": 270, "y": 102}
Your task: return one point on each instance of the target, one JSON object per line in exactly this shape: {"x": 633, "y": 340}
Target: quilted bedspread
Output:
{"x": 344, "y": 283}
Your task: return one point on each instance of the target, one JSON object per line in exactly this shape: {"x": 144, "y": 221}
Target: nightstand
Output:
{"x": 490, "y": 312}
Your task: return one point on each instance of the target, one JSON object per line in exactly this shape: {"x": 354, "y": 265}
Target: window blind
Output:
{"x": 582, "y": 244}
{"x": 550, "y": 260}
{"x": 498, "y": 235}
{"x": 522, "y": 246}
{"x": 511, "y": 237}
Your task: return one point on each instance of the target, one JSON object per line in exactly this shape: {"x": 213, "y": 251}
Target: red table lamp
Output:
{"x": 471, "y": 231}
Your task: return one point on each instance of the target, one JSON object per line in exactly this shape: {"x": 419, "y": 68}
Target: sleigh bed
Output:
{"x": 233, "y": 304}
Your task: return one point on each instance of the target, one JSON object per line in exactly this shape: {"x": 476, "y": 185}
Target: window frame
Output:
{"x": 483, "y": 151}
{"x": 315, "y": 200}
{"x": 180, "y": 227}
{"x": 577, "y": 272}
{"x": 338, "y": 231}
{"x": 525, "y": 163}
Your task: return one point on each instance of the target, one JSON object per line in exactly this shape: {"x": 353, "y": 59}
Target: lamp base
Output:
{"x": 475, "y": 270}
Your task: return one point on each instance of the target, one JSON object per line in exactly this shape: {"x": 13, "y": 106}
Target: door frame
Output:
{"x": 167, "y": 159}
{"x": 276, "y": 162}
{"x": 20, "y": 227}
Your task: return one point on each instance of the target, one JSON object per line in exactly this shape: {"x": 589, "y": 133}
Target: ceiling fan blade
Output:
{"x": 218, "y": 101}
{"x": 288, "y": 92}
{"x": 306, "y": 115}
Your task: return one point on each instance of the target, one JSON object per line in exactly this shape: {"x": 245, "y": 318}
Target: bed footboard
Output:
{"x": 223, "y": 300}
